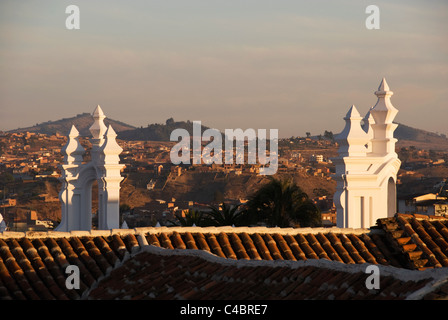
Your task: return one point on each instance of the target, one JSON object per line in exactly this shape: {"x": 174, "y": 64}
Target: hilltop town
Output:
{"x": 154, "y": 190}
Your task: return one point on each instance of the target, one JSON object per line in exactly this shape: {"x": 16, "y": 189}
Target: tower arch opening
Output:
{"x": 391, "y": 197}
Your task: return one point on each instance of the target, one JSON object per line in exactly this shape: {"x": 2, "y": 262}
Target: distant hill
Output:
{"x": 158, "y": 132}
{"x": 408, "y": 136}
{"x": 81, "y": 121}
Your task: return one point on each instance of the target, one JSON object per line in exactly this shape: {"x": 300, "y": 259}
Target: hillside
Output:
{"x": 408, "y": 136}
{"x": 204, "y": 187}
{"x": 158, "y": 132}
{"x": 82, "y": 122}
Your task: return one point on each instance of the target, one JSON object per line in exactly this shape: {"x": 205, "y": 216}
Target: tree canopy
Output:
{"x": 282, "y": 203}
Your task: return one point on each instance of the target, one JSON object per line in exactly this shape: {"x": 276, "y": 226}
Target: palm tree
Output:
{"x": 225, "y": 215}
{"x": 282, "y": 203}
{"x": 192, "y": 217}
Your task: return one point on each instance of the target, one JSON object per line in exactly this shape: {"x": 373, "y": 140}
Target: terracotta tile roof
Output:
{"x": 179, "y": 275}
{"x": 32, "y": 264}
{"x": 419, "y": 241}
{"x": 277, "y": 244}
{"x": 34, "y": 267}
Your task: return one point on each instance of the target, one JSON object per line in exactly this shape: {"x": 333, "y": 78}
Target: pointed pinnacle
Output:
{"x": 110, "y": 132}
{"x": 352, "y": 113}
{"x": 98, "y": 112}
{"x": 73, "y": 132}
{"x": 383, "y": 85}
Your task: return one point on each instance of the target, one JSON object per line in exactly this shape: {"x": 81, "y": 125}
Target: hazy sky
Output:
{"x": 291, "y": 65}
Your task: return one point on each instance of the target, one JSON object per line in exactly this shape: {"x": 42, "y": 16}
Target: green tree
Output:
{"x": 329, "y": 135}
{"x": 225, "y": 215}
{"x": 192, "y": 217}
{"x": 282, "y": 203}
{"x": 6, "y": 178}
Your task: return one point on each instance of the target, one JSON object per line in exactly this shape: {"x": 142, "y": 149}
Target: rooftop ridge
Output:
{"x": 436, "y": 278}
{"x": 399, "y": 273}
{"x": 156, "y": 230}
{"x": 212, "y": 230}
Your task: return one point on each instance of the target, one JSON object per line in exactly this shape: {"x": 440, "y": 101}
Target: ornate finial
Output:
{"x": 352, "y": 114}
{"x": 383, "y": 112}
{"x": 368, "y": 121}
{"x": 111, "y": 149}
{"x": 383, "y": 86}
{"x": 73, "y": 150}
{"x": 98, "y": 127}
{"x": 353, "y": 138}
{"x": 74, "y": 133}
{"x": 98, "y": 112}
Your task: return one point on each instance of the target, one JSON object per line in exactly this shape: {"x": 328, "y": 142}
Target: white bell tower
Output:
{"x": 367, "y": 164}
{"x": 77, "y": 179}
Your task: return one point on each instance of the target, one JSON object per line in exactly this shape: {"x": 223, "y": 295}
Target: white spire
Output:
{"x": 98, "y": 127}
{"x": 353, "y": 138}
{"x": 98, "y": 112}
{"x": 367, "y": 165}
{"x": 368, "y": 121}
{"x": 111, "y": 149}
{"x": 73, "y": 150}
{"x": 383, "y": 86}
{"x": 104, "y": 167}
{"x": 383, "y": 111}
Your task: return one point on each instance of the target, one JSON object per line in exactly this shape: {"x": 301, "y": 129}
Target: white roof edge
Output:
{"x": 156, "y": 230}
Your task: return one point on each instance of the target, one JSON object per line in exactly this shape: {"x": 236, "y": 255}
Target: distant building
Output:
{"x": 8, "y": 203}
{"x": 329, "y": 218}
{"x": 317, "y": 158}
{"x": 428, "y": 204}
{"x": 151, "y": 184}
{"x": 28, "y": 223}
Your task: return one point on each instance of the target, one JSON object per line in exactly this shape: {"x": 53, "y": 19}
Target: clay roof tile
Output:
{"x": 165, "y": 241}
{"x": 314, "y": 243}
{"x": 285, "y": 249}
{"x": 263, "y": 251}
{"x": 153, "y": 240}
{"x": 249, "y": 246}
{"x": 304, "y": 245}
{"x": 214, "y": 245}
{"x": 238, "y": 246}
{"x": 295, "y": 248}
{"x": 95, "y": 253}
{"x": 106, "y": 250}
{"x": 201, "y": 242}
{"x": 189, "y": 241}
{"x": 272, "y": 246}
{"x": 337, "y": 245}
{"x": 177, "y": 241}
{"x": 226, "y": 246}
{"x": 362, "y": 249}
